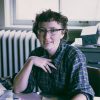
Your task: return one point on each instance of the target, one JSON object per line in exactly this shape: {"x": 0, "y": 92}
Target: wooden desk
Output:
{"x": 11, "y": 96}
{"x": 31, "y": 96}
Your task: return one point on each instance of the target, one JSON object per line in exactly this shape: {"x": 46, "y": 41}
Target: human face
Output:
{"x": 50, "y": 34}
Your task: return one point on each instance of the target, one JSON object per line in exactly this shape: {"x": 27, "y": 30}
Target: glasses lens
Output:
{"x": 51, "y": 31}
{"x": 41, "y": 31}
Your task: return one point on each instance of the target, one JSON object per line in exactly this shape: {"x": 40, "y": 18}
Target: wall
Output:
{"x": 73, "y": 33}
{"x": 1, "y": 14}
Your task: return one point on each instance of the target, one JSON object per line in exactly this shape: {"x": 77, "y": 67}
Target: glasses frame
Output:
{"x": 52, "y": 31}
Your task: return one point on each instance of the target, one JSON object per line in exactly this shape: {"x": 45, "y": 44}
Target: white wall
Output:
{"x": 2, "y": 14}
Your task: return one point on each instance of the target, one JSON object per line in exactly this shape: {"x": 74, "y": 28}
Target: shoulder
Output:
{"x": 73, "y": 51}
{"x": 68, "y": 48}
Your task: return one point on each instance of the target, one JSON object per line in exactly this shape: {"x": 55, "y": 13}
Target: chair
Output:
{"x": 94, "y": 79}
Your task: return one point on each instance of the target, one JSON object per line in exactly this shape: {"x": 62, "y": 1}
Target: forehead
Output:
{"x": 51, "y": 24}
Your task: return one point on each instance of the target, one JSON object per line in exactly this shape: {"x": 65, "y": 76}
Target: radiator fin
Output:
{"x": 15, "y": 47}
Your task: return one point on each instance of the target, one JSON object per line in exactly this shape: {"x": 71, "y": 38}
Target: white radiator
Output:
{"x": 15, "y": 47}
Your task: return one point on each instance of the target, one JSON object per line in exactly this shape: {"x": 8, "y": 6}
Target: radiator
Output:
{"x": 15, "y": 47}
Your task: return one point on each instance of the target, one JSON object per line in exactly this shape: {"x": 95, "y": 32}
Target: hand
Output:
{"x": 79, "y": 97}
{"x": 43, "y": 63}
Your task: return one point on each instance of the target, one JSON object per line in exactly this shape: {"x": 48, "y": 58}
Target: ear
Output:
{"x": 62, "y": 35}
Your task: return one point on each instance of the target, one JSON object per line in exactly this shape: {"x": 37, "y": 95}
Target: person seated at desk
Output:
{"x": 56, "y": 67}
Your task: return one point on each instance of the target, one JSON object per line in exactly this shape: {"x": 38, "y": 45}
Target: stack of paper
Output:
{"x": 90, "y": 30}
{"x": 2, "y": 89}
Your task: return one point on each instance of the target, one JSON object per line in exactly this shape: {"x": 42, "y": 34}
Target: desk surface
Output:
{"x": 9, "y": 95}
{"x": 31, "y": 96}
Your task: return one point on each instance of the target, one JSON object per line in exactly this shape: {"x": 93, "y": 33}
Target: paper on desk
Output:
{"x": 2, "y": 89}
{"x": 78, "y": 42}
{"x": 96, "y": 98}
{"x": 90, "y": 30}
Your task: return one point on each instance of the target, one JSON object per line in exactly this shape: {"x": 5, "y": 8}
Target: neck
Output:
{"x": 52, "y": 51}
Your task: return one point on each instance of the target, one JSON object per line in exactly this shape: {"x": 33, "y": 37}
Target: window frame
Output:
{"x": 18, "y": 22}
{"x": 14, "y": 21}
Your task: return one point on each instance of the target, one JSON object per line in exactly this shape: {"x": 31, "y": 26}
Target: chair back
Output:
{"x": 94, "y": 79}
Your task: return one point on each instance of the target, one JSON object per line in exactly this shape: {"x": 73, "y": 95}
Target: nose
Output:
{"x": 47, "y": 35}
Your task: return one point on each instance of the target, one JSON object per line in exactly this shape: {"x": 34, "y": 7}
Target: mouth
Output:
{"x": 48, "y": 43}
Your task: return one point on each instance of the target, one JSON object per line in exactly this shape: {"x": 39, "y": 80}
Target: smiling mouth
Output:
{"x": 48, "y": 42}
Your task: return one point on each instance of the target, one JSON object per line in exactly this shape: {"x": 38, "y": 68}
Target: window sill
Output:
{"x": 19, "y": 27}
{"x": 29, "y": 27}
{"x": 75, "y": 27}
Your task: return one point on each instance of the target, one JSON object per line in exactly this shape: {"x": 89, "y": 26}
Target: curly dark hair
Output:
{"x": 47, "y": 16}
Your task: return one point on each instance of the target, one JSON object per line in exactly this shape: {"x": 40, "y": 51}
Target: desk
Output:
{"x": 9, "y": 95}
{"x": 92, "y": 55}
{"x": 31, "y": 96}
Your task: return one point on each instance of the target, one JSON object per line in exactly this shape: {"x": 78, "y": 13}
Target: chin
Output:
{"x": 49, "y": 47}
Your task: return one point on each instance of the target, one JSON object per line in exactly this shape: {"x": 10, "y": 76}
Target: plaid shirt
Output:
{"x": 69, "y": 79}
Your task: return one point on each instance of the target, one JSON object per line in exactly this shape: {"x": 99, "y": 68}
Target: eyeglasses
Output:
{"x": 51, "y": 31}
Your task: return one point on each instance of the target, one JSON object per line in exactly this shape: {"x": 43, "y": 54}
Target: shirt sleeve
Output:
{"x": 79, "y": 82}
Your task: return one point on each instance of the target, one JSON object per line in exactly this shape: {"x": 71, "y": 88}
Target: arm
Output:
{"x": 79, "y": 83}
{"x": 79, "y": 97}
{"x": 21, "y": 80}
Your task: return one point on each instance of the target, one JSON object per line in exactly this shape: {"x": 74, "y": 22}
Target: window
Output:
{"x": 79, "y": 12}
{"x": 26, "y": 10}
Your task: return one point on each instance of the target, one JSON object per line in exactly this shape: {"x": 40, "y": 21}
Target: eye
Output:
{"x": 42, "y": 31}
{"x": 53, "y": 30}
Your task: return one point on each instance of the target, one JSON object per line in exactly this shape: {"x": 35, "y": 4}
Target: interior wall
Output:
{"x": 72, "y": 33}
{"x": 1, "y": 14}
